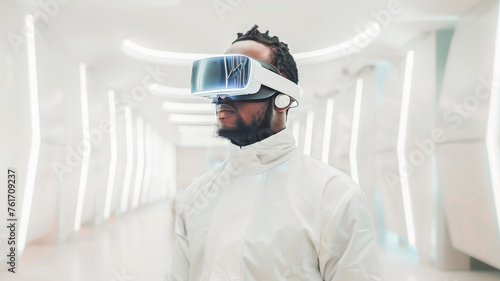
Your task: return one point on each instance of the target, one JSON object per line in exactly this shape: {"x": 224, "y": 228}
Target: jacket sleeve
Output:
{"x": 180, "y": 265}
{"x": 348, "y": 249}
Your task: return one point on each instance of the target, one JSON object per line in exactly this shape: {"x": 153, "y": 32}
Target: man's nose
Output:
{"x": 221, "y": 99}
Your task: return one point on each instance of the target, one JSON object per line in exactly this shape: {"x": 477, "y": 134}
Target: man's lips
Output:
{"x": 224, "y": 114}
{"x": 224, "y": 110}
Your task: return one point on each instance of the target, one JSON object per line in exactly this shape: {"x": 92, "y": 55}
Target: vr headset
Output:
{"x": 241, "y": 78}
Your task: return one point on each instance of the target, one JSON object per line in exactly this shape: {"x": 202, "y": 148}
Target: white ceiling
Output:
{"x": 92, "y": 31}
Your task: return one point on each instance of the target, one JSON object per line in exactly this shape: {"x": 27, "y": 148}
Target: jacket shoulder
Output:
{"x": 317, "y": 169}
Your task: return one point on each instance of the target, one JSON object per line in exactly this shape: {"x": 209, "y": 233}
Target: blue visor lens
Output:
{"x": 220, "y": 73}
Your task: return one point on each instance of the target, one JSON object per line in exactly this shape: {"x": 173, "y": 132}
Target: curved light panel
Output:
{"x": 173, "y": 93}
{"x": 155, "y": 56}
{"x": 188, "y": 108}
{"x": 171, "y": 90}
{"x": 186, "y": 119}
{"x": 197, "y": 129}
{"x": 344, "y": 49}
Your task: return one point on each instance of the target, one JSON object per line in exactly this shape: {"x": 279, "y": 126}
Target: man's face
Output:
{"x": 245, "y": 122}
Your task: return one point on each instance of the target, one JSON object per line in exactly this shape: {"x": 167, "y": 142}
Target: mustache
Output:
{"x": 226, "y": 100}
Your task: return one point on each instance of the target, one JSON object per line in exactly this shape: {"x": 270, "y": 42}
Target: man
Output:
{"x": 268, "y": 212}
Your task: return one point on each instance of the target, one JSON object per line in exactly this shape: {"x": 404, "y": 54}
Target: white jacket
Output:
{"x": 268, "y": 213}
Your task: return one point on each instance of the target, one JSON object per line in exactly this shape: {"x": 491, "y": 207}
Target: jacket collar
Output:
{"x": 263, "y": 155}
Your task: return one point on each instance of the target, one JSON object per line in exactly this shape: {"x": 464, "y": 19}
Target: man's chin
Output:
{"x": 237, "y": 136}
{"x": 243, "y": 136}
{"x": 227, "y": 123}
{"x": 225, "y": 126}
{"x": 228, "y": 132}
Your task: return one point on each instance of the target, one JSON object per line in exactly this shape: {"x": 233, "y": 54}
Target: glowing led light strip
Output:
{"x": 139, "y": 172}
{"x": 334, "y": 52}
{"x": 196, "y": 129}
{"x": 403, "y": 173}
{"x": 35, "y": 134}
{"x": 152, "y": 177}
{"x": 339, "y": 50}
{"x": 153, "y": 189}
{"x": 82, "y": 187}
{"x": 175, "y": 93}
{"x": 353, "y": 149}
{"x": 162, "y": 177}
{"x": 151, "y": 138}
{"x": 327, "y": 135}
{"x": 178, "y": 94}
{"x": 492, "y": 131}
{"x": 147, "y": 170}
{"x": 171, "y": 180}
{"x": 154, "y": 186}
{"x": 129, "y": 166}
{"x": 154, "y": 56}
{"x": 188, "y": 106}
{"x": 114, "y": 155}
{"x": 309, "y": 131}
{"x": 201, "y": 141}
{"x": 191, "y": 119}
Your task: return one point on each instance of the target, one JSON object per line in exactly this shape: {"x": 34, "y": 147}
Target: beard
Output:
{"x": 244, "y": 134}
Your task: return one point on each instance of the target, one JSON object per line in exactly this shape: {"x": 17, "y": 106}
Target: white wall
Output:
{"x": 465, "y": 162}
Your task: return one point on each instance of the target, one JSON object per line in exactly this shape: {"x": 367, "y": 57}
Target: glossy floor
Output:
{"x": 137, "y": 247}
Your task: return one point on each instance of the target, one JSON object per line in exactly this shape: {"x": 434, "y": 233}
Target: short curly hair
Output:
{"x": 281, "y": 57}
